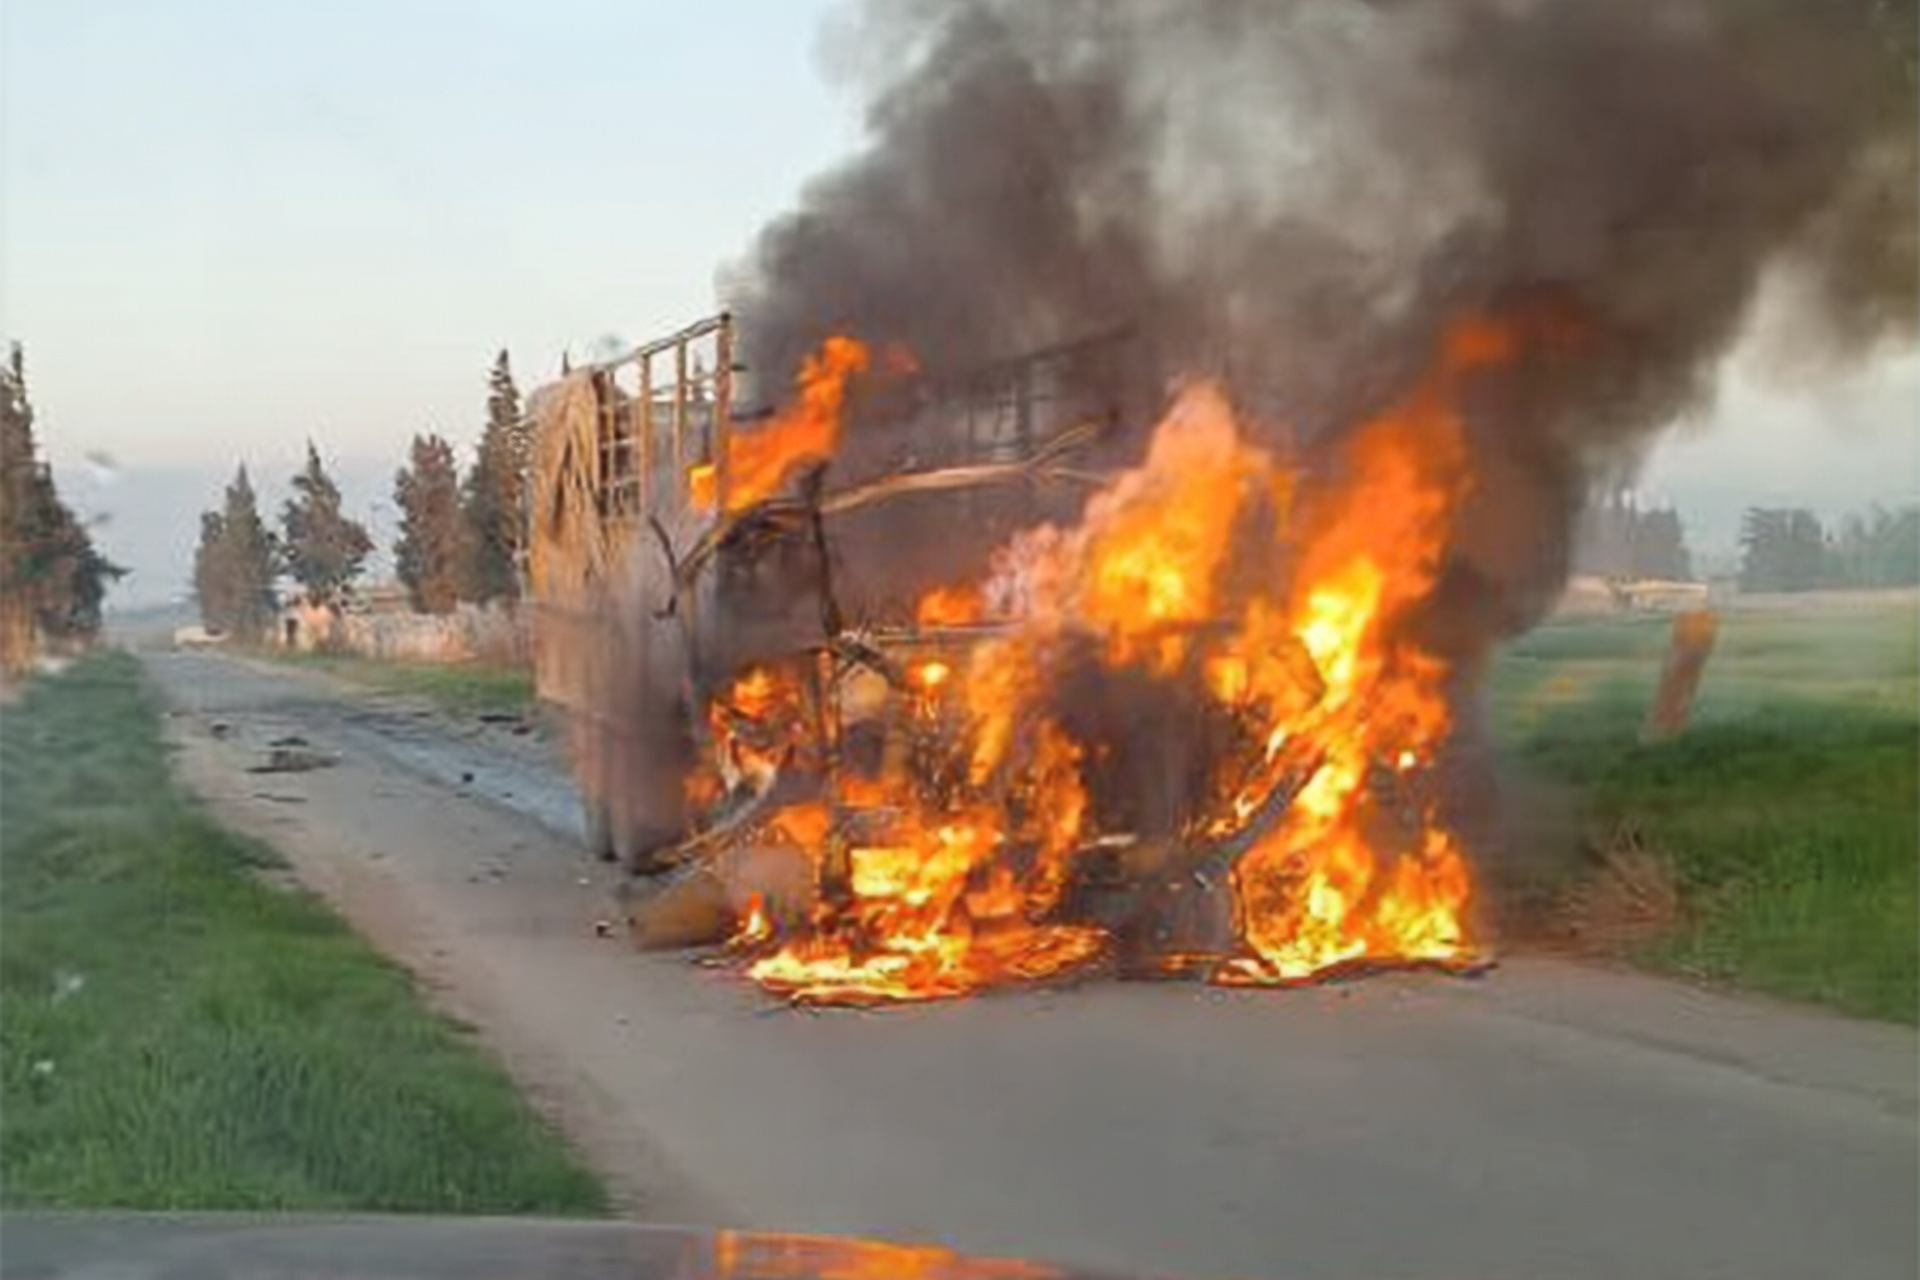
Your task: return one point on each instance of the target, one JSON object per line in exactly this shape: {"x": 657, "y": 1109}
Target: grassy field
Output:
{"x": 1786, "y": 816}
{"x": 466, "y": 688}
{"x": 178, "y": 1032}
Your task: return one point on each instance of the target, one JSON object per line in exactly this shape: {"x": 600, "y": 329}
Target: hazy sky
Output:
{"x": 228, "y": 224}
{"x": 231, "y": 225}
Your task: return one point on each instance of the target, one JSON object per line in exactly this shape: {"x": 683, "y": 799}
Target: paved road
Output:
{"x": 1552, "y": 1121}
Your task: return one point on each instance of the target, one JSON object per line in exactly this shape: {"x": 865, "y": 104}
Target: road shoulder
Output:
{"x": 405, "y": 859}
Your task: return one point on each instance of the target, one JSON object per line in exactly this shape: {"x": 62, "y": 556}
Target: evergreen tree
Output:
{"x": 506, "y": 414}
{"x": 1879, "y": 548}
{"x": 21, "y": 510}
{"x": 212, "y": 576}
{"x": 76, "y": 586}
{"x": 1782, "y": 549}
{"x": 429, "y": 555}
{"x": 1660, "y": 546}
{"x": 492, "y": 499}
{"x": 325, "y": 551}
{"x": 235, "y": 565}
{"x": 53, "y": 580}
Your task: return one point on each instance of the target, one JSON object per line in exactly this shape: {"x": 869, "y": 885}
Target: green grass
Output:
{"x": 1787, "y": 812}
{"x": 178, "y": 1032}
{"x": 467, "y": 688}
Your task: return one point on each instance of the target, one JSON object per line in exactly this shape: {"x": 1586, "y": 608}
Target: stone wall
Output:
{"x": 469, "y": 634}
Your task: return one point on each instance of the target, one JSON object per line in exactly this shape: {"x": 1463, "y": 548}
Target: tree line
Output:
{"x": 460, "y": 536}
{"x": 53, "y": 580}
{"x": 1619, "y": 540}
{"x": 1788, "y": 549}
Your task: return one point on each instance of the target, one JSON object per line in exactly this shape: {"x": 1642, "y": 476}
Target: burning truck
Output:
{"x": 1157, "y": 654}
{"x": 1119, "y": 690}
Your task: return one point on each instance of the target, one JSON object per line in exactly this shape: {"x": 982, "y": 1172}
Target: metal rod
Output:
{"x": 835, "y": 872}
{"x": 650, "y": 500}
{"x": 787, "y": 510}
{"x": 722, "y": 420}
{"x": 697, "y": 330}
{"x": 679, "y": 414}
{"x": 603, "y": 444}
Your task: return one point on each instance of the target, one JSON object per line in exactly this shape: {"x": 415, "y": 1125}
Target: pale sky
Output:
{"x": 227, "y": 226}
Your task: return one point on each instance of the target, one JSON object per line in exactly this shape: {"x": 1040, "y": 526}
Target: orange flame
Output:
{"x": 756, "y": 927}
{"x": 758, "y": 1256}
{"x": 1280, "y": 604}
{"x": 759, "y": 461}
{"x": 756, "y": 723}
{"x": 950, "y": 607}
{"x": 1313, "y": 894}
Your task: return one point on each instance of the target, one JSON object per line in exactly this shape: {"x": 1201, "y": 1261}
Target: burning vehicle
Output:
{"x": 1186, "y": 726}
{"x": 1158, "y": 652}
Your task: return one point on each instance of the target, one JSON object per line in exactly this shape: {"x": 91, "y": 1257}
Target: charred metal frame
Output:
{"x": 1004, "y": 406}
{"x": 668, "y": 405}
{"x": 665, "y": 406}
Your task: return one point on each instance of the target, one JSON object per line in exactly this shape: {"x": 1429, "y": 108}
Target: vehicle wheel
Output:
{"x": 638, "y": 849}
{"x": 599, "y": 824}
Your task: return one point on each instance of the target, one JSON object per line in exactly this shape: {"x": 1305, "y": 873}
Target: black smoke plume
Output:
{"x": 1297, "y": 196}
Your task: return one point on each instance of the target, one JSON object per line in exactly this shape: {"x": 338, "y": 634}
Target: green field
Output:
{"x": 1785, "y": 817}
{"x": 467, "y": 688}
{"x": 179, "y": 1031}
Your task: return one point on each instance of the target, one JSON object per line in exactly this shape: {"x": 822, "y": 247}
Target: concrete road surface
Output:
{"x": 1552, "y": 1121}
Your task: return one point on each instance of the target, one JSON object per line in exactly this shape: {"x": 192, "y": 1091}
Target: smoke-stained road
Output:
{"x": 1553, "y": 1121}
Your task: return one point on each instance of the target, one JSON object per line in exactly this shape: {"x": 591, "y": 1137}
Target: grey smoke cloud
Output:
{"x": 1301, "y": 195}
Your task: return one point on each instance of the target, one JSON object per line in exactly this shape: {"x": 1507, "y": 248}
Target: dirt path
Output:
{"x": 1551, "y": 1121}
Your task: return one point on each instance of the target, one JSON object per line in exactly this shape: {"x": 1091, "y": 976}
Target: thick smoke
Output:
{"x": 1298, "y": 196}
